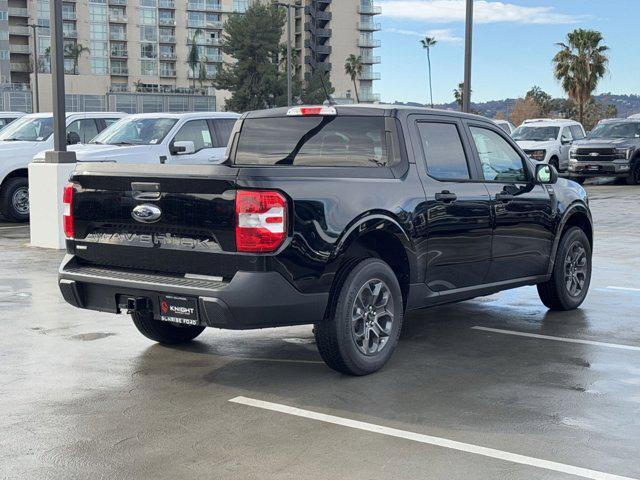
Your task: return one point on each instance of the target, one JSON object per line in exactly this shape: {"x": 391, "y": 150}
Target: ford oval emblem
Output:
{"x": 146, "y": 213}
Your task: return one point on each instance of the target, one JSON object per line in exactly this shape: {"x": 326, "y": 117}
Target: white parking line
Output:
{"x": 430, "y": 440}
{"x": 557, "y": 339}
{"x": 17, "y": 226}
{"x": 626, "y": 289}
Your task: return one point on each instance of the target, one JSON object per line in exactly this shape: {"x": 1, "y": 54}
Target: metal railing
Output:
{"x": 18, "y": 12}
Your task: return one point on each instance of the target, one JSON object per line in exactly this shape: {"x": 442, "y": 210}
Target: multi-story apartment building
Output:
{"x": 142, "y": 45}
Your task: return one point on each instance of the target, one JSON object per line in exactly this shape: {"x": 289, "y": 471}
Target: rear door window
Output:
{"x": 330, "y": 141}
{"x": 443, "y": 151}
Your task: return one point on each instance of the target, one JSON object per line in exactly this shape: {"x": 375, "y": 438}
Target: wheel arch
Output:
{"x": 18, "y": 173}
{"x": 577, "y": 215}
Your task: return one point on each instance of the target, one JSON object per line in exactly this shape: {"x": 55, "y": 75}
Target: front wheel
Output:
{"x": 569, "y": 283}
{"x": 14, "y": 199}
{"x": 634, "y": 176}
{"x": 164, "y": 332}
{"x": 362, "y": 325}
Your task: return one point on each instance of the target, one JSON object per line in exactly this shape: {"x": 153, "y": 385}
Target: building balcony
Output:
{"x": 118, "y": 2}
{"x": 25, "y": 49}
{"x": 118, "y": 36}
{"x": 167, "y": 22}
{"x": 69, "y": 15}
{"x": 118, "y": 18}
{"x": 168, "y": 56}
{"x": 369, "y": 97}
{"x": 167, "y": 39}
{"x": 369, "y": 26}
{"x": 70, "y": 34}
{"x": 368, "y": 42}
{"x": 119, "y": 54}
{"x": 119, "y": 71}
{"x": 19, "y": 30}
{"x": 204, "y": 6}
{"x": 167, "y": 4}
{"x": 370, "y": 59}
{"x": 369, "y": 10}
{"x": 215, "y": 25}
{"x": 18, "y": 12}
{"x": 20, "y": 67}
{"x": 370, "y": 76}
{"x": 214, "y": 59}
{"x": 168, "y": 73}
{"x": 71, "y": 71}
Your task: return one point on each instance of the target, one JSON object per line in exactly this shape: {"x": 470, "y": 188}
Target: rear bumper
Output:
{"x": 249, "y": 300}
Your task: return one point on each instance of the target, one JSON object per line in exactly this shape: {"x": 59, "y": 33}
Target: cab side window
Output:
{"x": 577, "y": 132}
{"x": 85, "y": 128}
{"x": 196, "y": 131}
{"x": 566, "y": 135}
{"x": 443, "y": 151}
{"x": 500, "y": 161}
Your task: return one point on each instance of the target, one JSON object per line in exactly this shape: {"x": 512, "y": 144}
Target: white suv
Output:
{"x": 549, "y": 140}
{"x": 28, "y": 136}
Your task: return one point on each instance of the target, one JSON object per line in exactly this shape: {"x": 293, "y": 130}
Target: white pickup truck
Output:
{"x": 30, "y": 135}
{"x": 172, "y": 138}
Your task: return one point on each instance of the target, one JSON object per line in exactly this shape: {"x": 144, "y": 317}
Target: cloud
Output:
{"x": 485, "y": 11}
{"x": 443, "y": 35}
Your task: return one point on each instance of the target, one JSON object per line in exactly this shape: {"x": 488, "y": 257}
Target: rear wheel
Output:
{"x": 634, "y": 176}
{"x": 571, "y": 277}
{"x": 14, "y": 199}
{"x": 362, "y": 326}
{"x": 164, "y": 332}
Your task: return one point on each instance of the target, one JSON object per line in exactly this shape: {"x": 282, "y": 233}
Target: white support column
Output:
{"x": 46, "y": 184}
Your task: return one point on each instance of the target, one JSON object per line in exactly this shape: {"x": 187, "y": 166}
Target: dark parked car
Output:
{"x": 612, "y": 149}
{"x": 343, "y": 217}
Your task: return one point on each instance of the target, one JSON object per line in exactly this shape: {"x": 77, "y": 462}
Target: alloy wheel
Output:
{"x": 20, "y": 201}
{"x": 372, "y": 317}
{"x": 575, "y": 269}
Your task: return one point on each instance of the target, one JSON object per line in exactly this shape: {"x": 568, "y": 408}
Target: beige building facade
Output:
{"x": 124, "y": 46}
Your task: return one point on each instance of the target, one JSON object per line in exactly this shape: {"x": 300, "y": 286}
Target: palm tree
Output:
{"x": 580, "y": 64}
{"x": 353, "y": 67}
{"x": 202, "y": 72}
{"x": 193, "y": 58}
{"x": 75, "y": 51}
{"x": 427, "y": 43}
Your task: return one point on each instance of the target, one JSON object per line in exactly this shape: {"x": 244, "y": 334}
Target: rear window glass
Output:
{"x": 332, "y": 141}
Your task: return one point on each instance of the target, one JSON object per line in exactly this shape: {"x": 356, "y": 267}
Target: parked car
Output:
{"x": 28, "y": 136}
{"x": 635, "y": 116}
{"x": 343, "y": 217}
{"x": 7, "y": 117}
{"x": 612, "y": 149}
{"x": 180, "y": 138}
{"x": 506, "y": 125}
{"x": 549, "y": 140}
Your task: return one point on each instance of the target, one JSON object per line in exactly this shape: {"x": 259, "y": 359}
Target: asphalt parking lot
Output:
{"x": 494, "y": 388}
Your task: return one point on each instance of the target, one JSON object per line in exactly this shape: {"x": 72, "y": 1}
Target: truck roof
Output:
{"x": 186, "y": 115}
{"x": 68, "y": 114}
{"x": 550, "y": 122}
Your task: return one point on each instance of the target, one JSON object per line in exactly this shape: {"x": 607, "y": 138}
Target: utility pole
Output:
{"x": 466, "y": 91}
{"x": 289, "y": 7}
{"x": 36, "y": 96}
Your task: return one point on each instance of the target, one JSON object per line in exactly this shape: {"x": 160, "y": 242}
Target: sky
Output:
{"x": 514, "y": 43}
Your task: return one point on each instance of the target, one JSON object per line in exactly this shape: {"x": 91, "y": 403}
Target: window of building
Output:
{"x": 148, "y": 16}
{"x": 148, "y": 67}
{"x": 443, "y": 151}
{"x": 148, "y": 33}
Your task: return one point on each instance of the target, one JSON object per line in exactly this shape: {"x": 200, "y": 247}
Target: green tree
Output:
{"x": 353, "y": 68}
{"x": 541, "y": 98}
{"x": 427, "y": 43}
{"x": 580, "y": 65}
{"x": 317, "y": 89}
{"x": 202, "y": 71}
{"x": 193, "y": 57}
{"x": 253, "y": 40}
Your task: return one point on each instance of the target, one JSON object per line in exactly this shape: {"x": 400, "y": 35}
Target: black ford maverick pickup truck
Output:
{"x": 343, "y": 217}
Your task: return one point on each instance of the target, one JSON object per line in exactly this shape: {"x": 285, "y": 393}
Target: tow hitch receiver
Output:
{"x": 138, "y": 304}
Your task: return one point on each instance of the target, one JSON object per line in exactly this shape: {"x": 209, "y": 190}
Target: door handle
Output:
{"x": 504, "y": 197}
{"x": 446, "y": 196}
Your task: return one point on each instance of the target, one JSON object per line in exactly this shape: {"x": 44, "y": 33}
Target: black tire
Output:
{"x": 634, "y": 176}
{"x": 12, "y": 200}
{"x": 555, "y": 162}
{"x": 164, "y": 332}
{"x": 558, "y": 293}
{"x": 579, "y": 180}
{"x": 336, "y": 336}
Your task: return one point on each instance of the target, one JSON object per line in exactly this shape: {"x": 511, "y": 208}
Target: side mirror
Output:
{"x": 73, "y": 138}
{"x": 566, "y": 141}
{"x": 182, "y": 148}
{"x": 546, "y": 174}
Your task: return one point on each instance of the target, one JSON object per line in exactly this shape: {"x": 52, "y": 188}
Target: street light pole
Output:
{"x": 289, "y": 7}
{"x": 466, "y": 91}
{"x": 36, "y": 97}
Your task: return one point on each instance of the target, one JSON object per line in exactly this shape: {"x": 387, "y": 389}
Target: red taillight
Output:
{"x": 67, "y": 216}
{"x": 261, "y": 217}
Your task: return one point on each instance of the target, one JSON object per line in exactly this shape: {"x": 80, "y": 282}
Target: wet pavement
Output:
{"x": 84, "y": 395}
